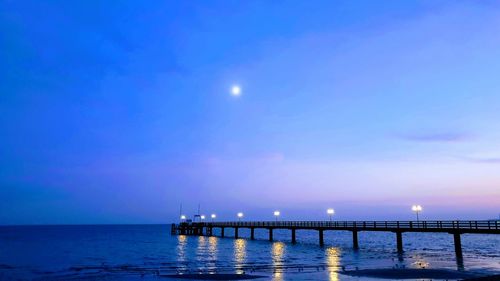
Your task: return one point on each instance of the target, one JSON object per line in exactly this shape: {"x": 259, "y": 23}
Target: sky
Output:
{"x": 119, "y": 111}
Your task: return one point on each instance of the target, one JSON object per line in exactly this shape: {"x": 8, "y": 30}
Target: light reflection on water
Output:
{"x": 333, "y": 263}
{"x": 181, "y": 252}
{"x": 240, "y": 252}
{"x": 420, "y": 262}
{"x": 206, "y": 254}
{"x": 277, "y": 253}
{"x": 212, "y": 254}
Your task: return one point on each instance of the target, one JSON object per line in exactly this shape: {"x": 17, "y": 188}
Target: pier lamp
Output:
{"x": 240, "y": 215}
{"x": 330, "y": 213}
{"x": 213, "y": 216}
{"x": 417, "y": 209}
{"x": 202, "y": 217}
{"x": 276, "y": 214}
{"x": 183, "y": 217}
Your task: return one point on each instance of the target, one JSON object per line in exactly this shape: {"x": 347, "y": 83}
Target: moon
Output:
{"x": 236, "y": 91}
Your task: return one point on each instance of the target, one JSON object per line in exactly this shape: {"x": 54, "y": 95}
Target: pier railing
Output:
{"x": 372, "y": 225}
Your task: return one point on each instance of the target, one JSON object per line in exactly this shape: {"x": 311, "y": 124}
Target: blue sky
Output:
{"x": 119, "y": 111}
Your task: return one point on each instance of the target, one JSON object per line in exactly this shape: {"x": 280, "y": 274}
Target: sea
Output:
{"x": 150, "y": 252}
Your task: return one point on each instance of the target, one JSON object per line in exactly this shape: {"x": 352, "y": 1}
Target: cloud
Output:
{"x": 437, "y": 137}
{"x": 488, "y": 160}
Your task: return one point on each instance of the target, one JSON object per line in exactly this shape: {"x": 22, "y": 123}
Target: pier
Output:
{"x": 455, "y": 228}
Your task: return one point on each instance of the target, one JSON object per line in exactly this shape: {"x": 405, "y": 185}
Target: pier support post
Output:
{"x": 458, "y": 245}
{"x": 222, "y": 232}
{"x": 321, "y": 241}
{"x": 270, "y": 234}
{"x": 252, "y": 233}
{"x": 236, "y": 232}
{"x": 293, "y": 236}
{"x": 355, "y": 244}
{"x": 399, "y": 240}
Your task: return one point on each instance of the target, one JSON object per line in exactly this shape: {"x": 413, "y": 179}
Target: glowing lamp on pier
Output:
{"x": 330, "y": 213}
{"x": 202, "y": 217}
{"x": 240, "y": 215}
{"x": 183, "y": 217}
{"x": 417, "y": 209}
{"x": 213, "y": 216}
{"x": 276, "y": 214}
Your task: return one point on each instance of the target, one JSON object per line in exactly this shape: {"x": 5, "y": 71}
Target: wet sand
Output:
{"x": 486, "y": 278}
{"x": 417, "y": 274}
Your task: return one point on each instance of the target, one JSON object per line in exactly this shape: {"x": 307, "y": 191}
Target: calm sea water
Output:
{"x": 146, "y": 252}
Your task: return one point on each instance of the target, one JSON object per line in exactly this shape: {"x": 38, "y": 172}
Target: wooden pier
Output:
{"x": 455, "y": 228}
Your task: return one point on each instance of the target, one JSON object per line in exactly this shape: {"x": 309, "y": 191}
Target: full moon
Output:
{"x": 236, "y": 91}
